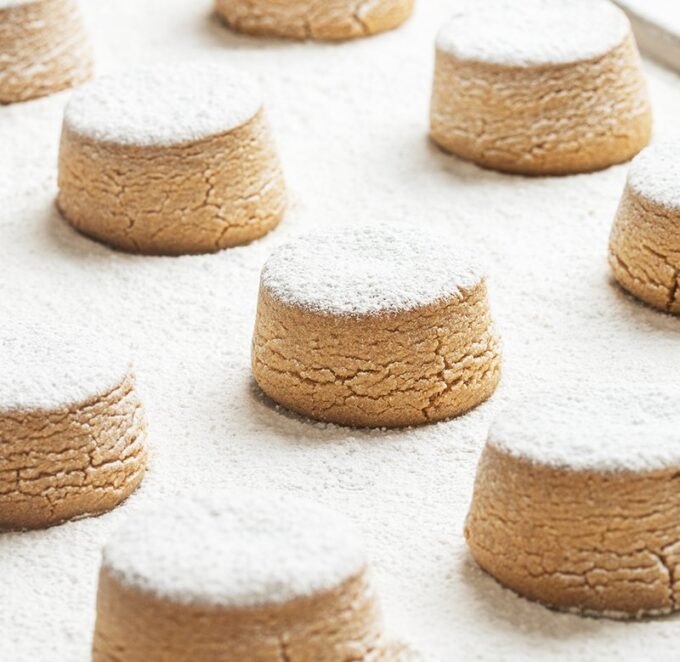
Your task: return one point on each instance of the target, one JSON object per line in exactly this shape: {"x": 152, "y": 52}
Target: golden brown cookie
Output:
{"x": 374, "y": 327}
{"x": 539, "y": 87}
{"x": 72, "y": 429}
{"x": 43, "y": 48}
{"x": 644, "y": 247}
{"x": 326, "y": 20}
{"x": 170, "y": 160}
{"x": 236, "y": 576}
{"x": 576, "y": 501}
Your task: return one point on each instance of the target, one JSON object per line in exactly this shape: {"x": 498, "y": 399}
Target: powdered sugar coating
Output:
{"x": 533, "y": 32}
{"x": 15, "y": 3}
{"x": 46, "y": 367}
{"x": 235, "y": 549}
{"x": 655, "y": 174}
{"x": 664, "y": 13}
{"x": 602, "y": 428}
{"x": 368, "y": 271}
{"x": 163, "y": 104}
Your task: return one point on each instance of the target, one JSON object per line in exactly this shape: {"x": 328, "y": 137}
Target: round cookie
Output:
{"x": 170, "y": 160}
{"x": 644, "y": 246}
{"x": 72, "y": 430}
{"x": 576, "y": 501}
{"x": 374, "y": 327}
{"x": 43, "y": 48}
{"x": 327, "y": 20}
{"x": 236, "y": 576}
{"x": 539, "y": 86}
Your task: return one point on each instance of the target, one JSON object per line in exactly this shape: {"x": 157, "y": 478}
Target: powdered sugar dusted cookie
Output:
{"x": 539, "y": 86}
{"x": 43, "y": 48}
{"x": 314, "y": 19}
{"x": 375, "y": 327}
{"x": 644, "y": 247}
{"x": 576, "y": 502}
{"x": 72, "y": 429}
{"x": 170, "y": 160}
{"x": 236, "y": 576}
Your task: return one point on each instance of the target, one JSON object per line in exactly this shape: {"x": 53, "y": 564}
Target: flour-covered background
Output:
{"x": 350, "y": 122}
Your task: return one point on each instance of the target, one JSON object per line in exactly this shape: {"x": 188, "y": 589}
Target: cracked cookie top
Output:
{"x": 44, "y": 367}
{"x": 613, "y": 427}
{"x": 163, "y": 104}
{"x": 533, "y": 32}
{"x": 655, "y": 174}
{"x": 369, "y": 271}
{"x": 236, "y": 549}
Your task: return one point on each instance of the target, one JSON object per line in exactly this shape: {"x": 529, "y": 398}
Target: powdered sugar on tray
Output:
{"x": 370, "y": 270}
{"x": 532, "y": 32}
{"x": 13, "y": 3}
{"x": 44, "y": 366}
{"x": 350, "y": 123}
{"x": 665, "y": 13}
{"x": 607, "y": 427}
{"x": 235, "y": 549}
{"x": 163, "y": 104}
{"x": 655, "y": 174}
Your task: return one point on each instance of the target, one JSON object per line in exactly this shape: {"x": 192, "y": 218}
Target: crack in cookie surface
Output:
{"x": 73, "y": 462}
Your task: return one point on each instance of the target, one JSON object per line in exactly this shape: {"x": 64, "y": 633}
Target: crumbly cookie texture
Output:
{"x": 509, "y": 93}
{"x": 44, "y": 49}
{"x": 235, "y": 576}
{"x": 387, "y": 328}
{"x": 325, "y": 20}
{"x": 72, "y": 429}
{"x": 644, "y": 246}
{"x": 576, "y": 504}
{"x": 170, "y": 160}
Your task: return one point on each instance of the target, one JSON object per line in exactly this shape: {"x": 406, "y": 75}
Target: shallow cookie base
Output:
{"x": 542, "y": 120}
{"x": 392, "y": 370}
{"x": 334, "y": 626}
{"x": 70, "y": 463}
{"x": 331, "y": 20}
{"x": 597, "y": 543}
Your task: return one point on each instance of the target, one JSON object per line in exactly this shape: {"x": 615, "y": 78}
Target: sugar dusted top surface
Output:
{"x": 163, "y": 104}
{"x": 14, "y": 3}
{"x": 603, "y": 428}
{"x": 532, "y": 32}
{"x": 655, "y": 174}
{"x": 44, "y": 367}
{"x": 235, "y": 549}
{"x": 370, "y": 270}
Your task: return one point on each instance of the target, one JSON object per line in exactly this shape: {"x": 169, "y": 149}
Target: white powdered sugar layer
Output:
{"x": 14, "y": 3}
{"x": 608, "y": 427}
{"x": 163, "y": 104}
{"x": 235, "y": 549}
{"x": 664, "y": 13}
{"x": 350, "y": 123}
{"x": 533, "y": 32}
{"x": 44, "y": 367}
{"x": 655, "y": 174}
{"x": 370, "y": 270}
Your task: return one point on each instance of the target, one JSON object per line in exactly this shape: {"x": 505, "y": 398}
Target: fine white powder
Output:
{"x": 655, "y": 174}
{"x": 608, "y": 427}
{"x": 163, "y": 104}
{"x": 351, "y": 128}
{"x": 532, "y": 32}
{"x": 664, "y": 13}
{"x": 236, "y": 549}
{"x": 14, "y": 3}
{"x": 45, "y": 366}
{"x": 370, "y": 270}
